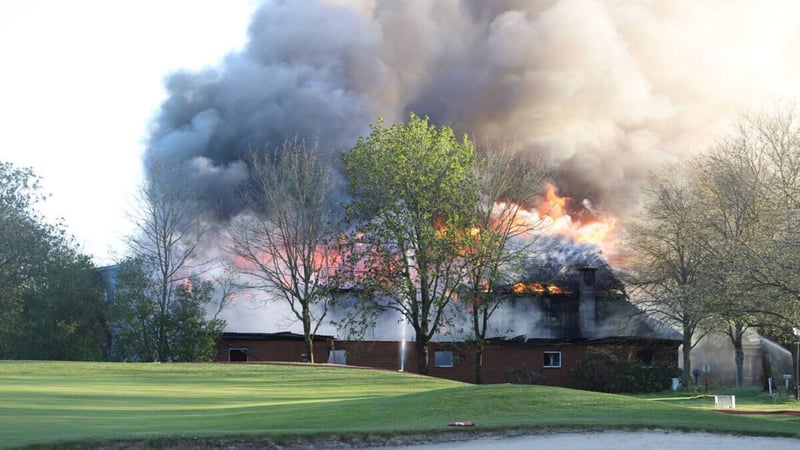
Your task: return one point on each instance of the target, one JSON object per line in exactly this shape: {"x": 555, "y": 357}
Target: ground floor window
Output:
{"x": 443, "y": 358}
{"x": 552, "y": 359}
{"x": 647, "y": 356}
{"x": 237, "y": 354}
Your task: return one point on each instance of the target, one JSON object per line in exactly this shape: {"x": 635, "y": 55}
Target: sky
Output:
{"x": 607, "y": 90}
{"x": 80, "y": 83}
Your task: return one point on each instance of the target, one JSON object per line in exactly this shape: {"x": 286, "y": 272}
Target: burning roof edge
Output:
{"x": 279, "y": 336}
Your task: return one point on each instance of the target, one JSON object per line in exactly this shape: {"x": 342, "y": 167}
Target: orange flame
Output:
{"x": 553, "y": 289}
{"x": 537, "y": 289}
{"x": 553, "y": 206}
{"x": 552, "y": 217}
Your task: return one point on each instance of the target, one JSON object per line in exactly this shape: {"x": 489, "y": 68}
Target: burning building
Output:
{"x": 591, "y": 87}
{"x": 546, "y": 327}
{"x": 557, "y": 302}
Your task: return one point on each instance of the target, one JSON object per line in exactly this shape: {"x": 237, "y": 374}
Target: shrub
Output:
{"x": 605, "y": 371}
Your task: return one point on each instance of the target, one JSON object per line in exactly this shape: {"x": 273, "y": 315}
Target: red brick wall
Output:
{"x": 381, "y": 355}
{"x": 498, "y": 357}
{"x": 273, "y": 350}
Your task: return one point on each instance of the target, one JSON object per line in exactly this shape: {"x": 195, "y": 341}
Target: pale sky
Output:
{"x": 611, "y": 88}
{"x": 80, "y": 81}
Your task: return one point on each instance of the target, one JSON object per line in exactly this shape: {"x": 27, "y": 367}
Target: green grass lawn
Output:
{"x": 62, "y": 402}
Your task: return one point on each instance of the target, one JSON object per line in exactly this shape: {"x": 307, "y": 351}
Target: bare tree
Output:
{"x": 226, "y": 290}
{"x": 744, "y": 199}
{"x": 732, "y": 193}
{"x": 170, "y": 229}
{"x": 506, "y": 181}
{"x": 776, "y": 255}
{"x": 287, "y": 243}
{"x": 778, "y": 133}
{"x": 672, "y": 255}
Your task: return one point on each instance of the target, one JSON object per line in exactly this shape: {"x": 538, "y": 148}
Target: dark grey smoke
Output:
{"x": 608, "y": 90}
{"x": 305, "y": 73}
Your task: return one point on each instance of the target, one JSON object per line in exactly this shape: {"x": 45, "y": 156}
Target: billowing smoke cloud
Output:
{"x": 308, "y": 71}
{"x": 608, "y": 90}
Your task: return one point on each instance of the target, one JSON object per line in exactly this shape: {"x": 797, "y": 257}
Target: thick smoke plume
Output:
{"x": 608, "y": 90}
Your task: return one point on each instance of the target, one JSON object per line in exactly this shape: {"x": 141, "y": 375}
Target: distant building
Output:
{"x": 108, "y": 275}
{"x": 713, "y": 360}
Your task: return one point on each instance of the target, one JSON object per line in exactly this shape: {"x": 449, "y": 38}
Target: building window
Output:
{"x": 647, "y": 357}
{"x": 443, "y": 358}
{"x": 552, "y": 359}
{"x": 237, "y": 354}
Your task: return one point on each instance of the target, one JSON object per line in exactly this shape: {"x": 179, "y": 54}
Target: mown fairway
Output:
{"x": 58, "y": 402}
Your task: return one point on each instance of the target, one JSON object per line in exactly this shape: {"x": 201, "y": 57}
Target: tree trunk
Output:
{"x": 796, "y": 370}
{"x": 739, "y": 365}
{"x": 687, "y": 360}
{"x": 480, "y": 341}
{"x": 310, "y": 347}
{"x": 309, "y": 338}
{"x": 736, "y": 335}
{"x": 422, "y": 356}
{"x": 163, "y": 319}
{"x": 479, "y": 362}
{"x": 162, "y": 346}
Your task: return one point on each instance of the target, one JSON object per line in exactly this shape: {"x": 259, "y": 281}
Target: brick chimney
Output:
{"x": 587, "y": 302}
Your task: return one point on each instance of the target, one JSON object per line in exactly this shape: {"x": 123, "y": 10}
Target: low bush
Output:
{"x": 605, "y": 371}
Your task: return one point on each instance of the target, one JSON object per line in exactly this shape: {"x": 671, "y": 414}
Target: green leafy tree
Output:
{"x": 192, "y": 331}
{"x": 24, "y": 237}
{"x": 50, "y": 299}
{"x": 194, "y": 337}
{"x": 134, "y": 313}
{"x": 63, "y": 315}
{"x": 414, "y": 191}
